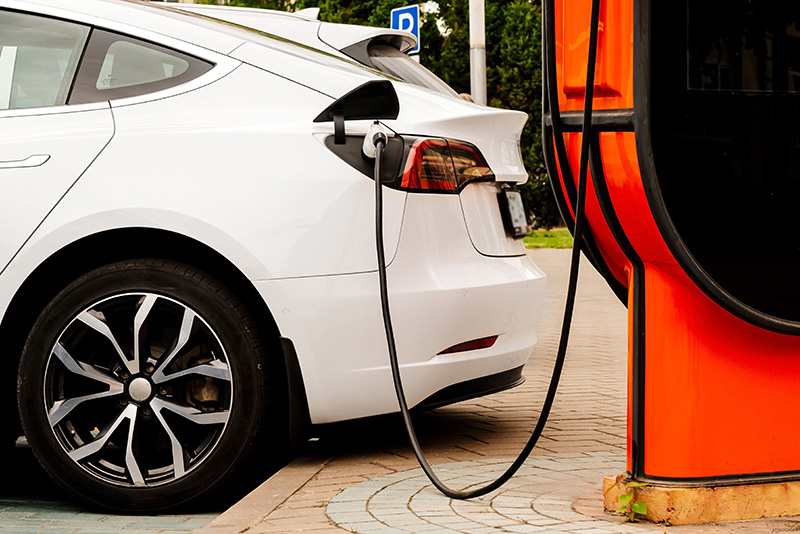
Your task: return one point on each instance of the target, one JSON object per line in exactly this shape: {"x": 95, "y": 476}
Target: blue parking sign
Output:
{"x": 407, "y": 20}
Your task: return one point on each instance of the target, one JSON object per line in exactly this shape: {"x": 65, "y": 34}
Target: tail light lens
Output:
{"x": 443, "y": 166}
{"x": 418, "y": 164}
{"x": 429, "y": 167}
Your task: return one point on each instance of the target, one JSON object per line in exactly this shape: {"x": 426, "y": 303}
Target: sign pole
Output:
{"x": 477, "y": 51}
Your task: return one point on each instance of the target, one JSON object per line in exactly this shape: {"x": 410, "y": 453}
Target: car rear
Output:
{"x": 465, "y": 299}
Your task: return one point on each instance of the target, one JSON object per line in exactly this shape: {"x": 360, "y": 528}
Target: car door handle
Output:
{"x": 33, "y": 160}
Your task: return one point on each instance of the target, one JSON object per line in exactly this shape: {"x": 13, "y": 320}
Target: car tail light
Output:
{"x": 443, "y": 166}
{"x": 418, "y": 164}
{"x": 475, "y": 344}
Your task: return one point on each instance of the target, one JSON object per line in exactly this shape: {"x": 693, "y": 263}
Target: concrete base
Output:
{"x": 677, "y": 505}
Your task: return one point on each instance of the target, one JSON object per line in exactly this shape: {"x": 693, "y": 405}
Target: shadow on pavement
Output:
{"x": 28, "y": 479}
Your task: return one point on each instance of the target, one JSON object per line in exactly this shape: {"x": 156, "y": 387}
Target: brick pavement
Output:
{"x": 362, "y": 477}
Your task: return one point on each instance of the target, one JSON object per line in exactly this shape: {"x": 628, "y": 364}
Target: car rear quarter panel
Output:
{"x": 442, "y": 292}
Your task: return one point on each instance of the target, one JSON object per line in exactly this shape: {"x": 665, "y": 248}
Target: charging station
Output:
{"x": 690, "y": 217}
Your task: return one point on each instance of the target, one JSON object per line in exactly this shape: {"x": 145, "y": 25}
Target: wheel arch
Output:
{"x": 90, "y": 252}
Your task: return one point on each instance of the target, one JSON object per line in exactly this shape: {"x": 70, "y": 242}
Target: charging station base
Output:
{"x": 681, "y": 505}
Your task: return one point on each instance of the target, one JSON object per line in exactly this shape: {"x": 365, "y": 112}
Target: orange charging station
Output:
{"x": 691, "y": 217}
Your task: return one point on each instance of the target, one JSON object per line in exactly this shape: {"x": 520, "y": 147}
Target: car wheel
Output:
{"x": 143, "y": 385}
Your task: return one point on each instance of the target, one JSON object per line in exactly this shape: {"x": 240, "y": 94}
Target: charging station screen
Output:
{"x": 725, "y": 104}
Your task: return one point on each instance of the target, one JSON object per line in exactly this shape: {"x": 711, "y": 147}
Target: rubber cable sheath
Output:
{"x": 568, "y": 308}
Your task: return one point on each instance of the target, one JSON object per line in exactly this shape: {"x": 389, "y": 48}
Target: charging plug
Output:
{"x": 376, "y": 132}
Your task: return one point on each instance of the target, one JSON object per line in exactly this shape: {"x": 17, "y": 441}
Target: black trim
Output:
{"x": 553, "y": 131}
{"x": 607, "y": 208}
{"x": 603, "y": 120}
{"x": 687, "y": 262}
{"x": 637, "y": 373}
{"x": 554, "y": 123}
{"x": 373, "y": 100}
{"x": 351, "y": 152}
{"x": 299, "y": 419}
{"x": 471, "y": 389}
{"x": 551, "y": 121}
{"x": 84, "y": 89}
{"x": 360, "y": 51}
{"x": 725, "y": 480}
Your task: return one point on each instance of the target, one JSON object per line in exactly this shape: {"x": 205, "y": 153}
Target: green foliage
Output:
{"x": 552, "y": 238}
{"x": 631, "y": 507}
{"x": 513, "y": 61}
{"x": 281, "y": 5}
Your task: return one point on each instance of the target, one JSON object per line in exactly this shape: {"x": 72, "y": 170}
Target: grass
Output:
{"x": 553, "y": 238}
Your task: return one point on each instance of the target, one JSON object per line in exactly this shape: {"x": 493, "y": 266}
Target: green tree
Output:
{"x": 444, "y": 34}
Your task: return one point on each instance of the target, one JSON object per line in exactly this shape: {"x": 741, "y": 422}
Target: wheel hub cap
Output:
{"x": 140, "y": 389}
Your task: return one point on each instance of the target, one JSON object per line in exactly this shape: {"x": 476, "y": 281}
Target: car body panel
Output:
{"x": 153, "y": 165}
{"x": 442, "y": 293}
{"x": 44, "y": 152}
{"x": 335, "y": 79}
{"x": 485, "y": 225}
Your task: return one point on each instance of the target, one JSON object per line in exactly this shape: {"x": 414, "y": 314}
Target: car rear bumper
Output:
{"x": 443, "y": 292}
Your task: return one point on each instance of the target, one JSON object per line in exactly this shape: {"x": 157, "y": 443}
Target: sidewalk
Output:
{"x": 362, "y": 476}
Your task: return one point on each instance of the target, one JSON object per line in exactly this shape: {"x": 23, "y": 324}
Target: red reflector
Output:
{"x": 475, "y": 344}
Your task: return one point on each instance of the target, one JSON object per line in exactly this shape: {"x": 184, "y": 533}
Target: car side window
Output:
{"x": 117, "y": 66}
{"x": 38, "y": 58}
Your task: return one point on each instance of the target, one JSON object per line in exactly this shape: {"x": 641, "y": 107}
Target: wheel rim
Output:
{"x": 138, "y": 390}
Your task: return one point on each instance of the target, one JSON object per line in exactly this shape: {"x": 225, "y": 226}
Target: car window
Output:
{"x": 391, "y": 61}
{"x": 118, "y": 66}
{"x": 38, "y": 57}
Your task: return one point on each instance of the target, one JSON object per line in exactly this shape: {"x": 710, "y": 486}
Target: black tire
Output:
{"x": 197, "y": 398}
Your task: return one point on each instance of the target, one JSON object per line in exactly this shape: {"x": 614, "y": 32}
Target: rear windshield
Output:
{"x": 391, "y": 61}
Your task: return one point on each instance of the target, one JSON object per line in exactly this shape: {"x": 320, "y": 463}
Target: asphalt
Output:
{"x": 362, "y": 476}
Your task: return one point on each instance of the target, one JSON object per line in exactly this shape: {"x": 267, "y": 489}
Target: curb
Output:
{"x": 263, "y": 500}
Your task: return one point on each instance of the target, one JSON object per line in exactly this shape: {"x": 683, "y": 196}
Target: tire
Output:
{"x": 144, "y": 385}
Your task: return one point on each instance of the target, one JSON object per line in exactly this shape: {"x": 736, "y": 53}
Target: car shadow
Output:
{"x": 30, "y": 482}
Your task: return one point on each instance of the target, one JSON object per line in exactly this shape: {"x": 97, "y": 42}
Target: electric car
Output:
{"x": 188, "y": 272}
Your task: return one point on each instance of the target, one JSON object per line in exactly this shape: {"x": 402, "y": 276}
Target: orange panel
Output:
{"x": 716, "y": 387}
{"x": 606, "y": 243}
{"x": 719, "y": 393}
{"x": 613, "y": 76}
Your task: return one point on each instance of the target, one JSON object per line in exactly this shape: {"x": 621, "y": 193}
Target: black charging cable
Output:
{"x": 379, "y": 141}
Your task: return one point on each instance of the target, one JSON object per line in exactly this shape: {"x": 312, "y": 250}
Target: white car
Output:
{"x": 188, "y": 274}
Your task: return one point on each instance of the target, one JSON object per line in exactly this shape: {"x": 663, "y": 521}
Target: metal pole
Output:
{"x": 477, "y": 51}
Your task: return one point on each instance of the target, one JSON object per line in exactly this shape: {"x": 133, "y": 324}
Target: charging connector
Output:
{"x": 377, "y": 132}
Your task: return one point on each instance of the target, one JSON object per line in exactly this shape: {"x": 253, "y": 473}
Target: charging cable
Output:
{"x": 377, "y": 138}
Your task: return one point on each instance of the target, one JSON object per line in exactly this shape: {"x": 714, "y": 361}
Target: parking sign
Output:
{"x": 407, "y": 19}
